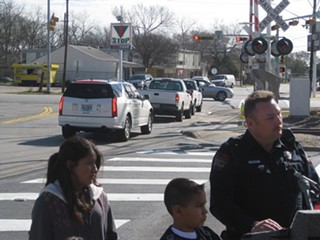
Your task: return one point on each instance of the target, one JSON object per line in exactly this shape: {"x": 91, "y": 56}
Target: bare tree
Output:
{"x": 79, "y": 28}
{"x": 149, "y": 29}
{"x": 34, "y": 30}
{"x": 145, "y": 19}
{"x": 156, "y": 49}
{"x": 11, "y": 22}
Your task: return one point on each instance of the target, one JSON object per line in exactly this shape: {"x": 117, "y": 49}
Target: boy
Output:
{"x": 185, "y": 201}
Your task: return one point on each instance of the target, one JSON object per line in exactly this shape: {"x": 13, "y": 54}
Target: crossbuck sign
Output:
{"x": 273, "y": 14}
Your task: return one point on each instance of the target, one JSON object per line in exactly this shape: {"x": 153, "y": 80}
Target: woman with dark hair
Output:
{"x": 72, "y": 204}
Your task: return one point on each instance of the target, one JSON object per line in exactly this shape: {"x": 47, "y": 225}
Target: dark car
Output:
{"x": 6, "y": 80}
{"x": 140, "y": 80}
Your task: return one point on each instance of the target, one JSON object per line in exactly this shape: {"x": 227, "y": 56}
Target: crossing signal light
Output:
{"x": 198, "y": 38}
{"x": 241, "y": 39}
{"x": 294, "y": 23}
{"x": 311, "y": 22}
{"x": 275, "y": 27}
{"x": 282, "y": 69}
{"x": 53, "y": 22}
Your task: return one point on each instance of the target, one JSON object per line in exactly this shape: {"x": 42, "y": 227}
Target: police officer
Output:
{"x": 253, "y": 187}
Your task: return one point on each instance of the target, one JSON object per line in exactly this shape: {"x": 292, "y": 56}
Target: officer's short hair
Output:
{"x": 254, "y": 98}
{"x": 180, "y": 191}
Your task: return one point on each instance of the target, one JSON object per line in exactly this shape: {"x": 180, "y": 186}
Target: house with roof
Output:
{"x": 87, "y": 62}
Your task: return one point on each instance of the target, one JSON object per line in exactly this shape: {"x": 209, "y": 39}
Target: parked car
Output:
{"x": 209, "y": 90}
{"x": 196, "y": 94}
{"x": 140, "y": 81}
{"x": 103, "y": 105}
{"x": 6, "y": 80}
{"x": 200, "y": 78}
{"x": 169, "y": 96}
{"x": 224, "y": 80}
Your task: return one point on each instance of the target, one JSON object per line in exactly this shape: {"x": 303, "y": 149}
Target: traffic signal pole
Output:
{"x": 48, "y": 48}
{"x": 313, "y": 54}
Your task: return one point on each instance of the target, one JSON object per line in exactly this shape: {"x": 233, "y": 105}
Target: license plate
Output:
{"x": 86, "y": 107}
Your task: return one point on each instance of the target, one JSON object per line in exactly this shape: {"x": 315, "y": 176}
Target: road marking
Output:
{"x": 155, "y": 169}
{"x": 175, "y": 160}
{"x": 318, "y": 169}
{"x": 180, "y": 152}
{"x": 15, "y": 225}
{"x": 47, "y": 111}
{"x": 127, "y": 181}
{"x": 29, "y": 196}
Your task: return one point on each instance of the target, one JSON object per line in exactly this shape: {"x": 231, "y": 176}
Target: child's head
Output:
{"x": 185, "y": 200}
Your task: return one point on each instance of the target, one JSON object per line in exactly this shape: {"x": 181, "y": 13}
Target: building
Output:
{"x": 84, "y": 62}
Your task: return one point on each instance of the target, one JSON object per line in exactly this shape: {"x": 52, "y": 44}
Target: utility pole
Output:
{"x": 66, "y": 36}
{"x": 313, "y": 53}
{"x": 49, "y": 49}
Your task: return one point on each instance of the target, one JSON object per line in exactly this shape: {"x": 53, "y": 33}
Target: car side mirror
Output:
{"x": 146, "y": 96}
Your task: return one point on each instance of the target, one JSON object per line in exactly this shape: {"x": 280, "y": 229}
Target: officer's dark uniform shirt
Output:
{"x": 249, "y": 184}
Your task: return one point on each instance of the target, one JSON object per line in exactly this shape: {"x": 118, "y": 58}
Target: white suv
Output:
{"x": 98, "y": 105}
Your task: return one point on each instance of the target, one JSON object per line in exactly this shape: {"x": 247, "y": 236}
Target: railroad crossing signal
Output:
{"x": 273, "y": 14}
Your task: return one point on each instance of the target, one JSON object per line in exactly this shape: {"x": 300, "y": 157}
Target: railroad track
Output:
{"x": 311, "y": 131}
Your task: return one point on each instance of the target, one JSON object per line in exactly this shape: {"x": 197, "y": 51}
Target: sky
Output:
{"x": 204, "y": 12}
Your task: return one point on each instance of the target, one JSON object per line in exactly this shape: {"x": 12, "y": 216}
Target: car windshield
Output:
{"x": 89, "y": 91}
{"x": 137, "y": 77}
{"x": 165, "y": 85}
{"x": 218, "y": 77}
{"x": 190, "y": 85}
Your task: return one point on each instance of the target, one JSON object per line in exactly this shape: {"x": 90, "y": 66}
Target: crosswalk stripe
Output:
{"x": 155, "y": 169}
{"x": 175, "y": 160}
{"x": 180, "y": 153}
{"x": 15, "y": 225}
{"x": 127, "y": 181}
{"x": 29, "y": 196}
{"x": 318, "y": 169}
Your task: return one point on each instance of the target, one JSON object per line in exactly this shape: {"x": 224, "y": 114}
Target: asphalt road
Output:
{"x": 136, "y": 171}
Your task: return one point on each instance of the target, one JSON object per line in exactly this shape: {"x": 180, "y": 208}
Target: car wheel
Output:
{"x": 221, "y": 96}
{"x": 199, "y": 108}
{"x": 68, "y": 132}
{"x": 188, "y": 112}
{"x": 146, "y": 129}
{"x": 179, "y": 116}
{"x": 193, "y": 109}
{"x": 124, "y": 134}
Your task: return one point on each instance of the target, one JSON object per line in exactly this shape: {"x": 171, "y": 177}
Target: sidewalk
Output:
{"x": 21, "y": 89}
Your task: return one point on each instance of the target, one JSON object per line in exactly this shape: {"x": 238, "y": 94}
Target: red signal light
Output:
{"x": 196, "y": 37}
{"x": 282, "y": 69}
{"x": 240, "y": 39}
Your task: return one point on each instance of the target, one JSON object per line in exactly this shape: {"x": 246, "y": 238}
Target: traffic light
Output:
{"x": 53, "y": 22}
{"x": 282, "y": 69}
{"x": 198, "y": 38}
{"x": 282, "y": 59}
{"x": 311, "y": 22}
{"x": 294, "y": 23}
{"x": 241, "y": 39}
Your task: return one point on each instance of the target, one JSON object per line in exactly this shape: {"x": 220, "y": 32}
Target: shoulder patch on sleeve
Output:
{"x": 220, "y": 160}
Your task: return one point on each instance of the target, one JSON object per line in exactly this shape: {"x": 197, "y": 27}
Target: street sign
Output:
{"x": 273, "y": 14}
{"x": 316, "y": 42}
{"x": 121, "y": 36}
